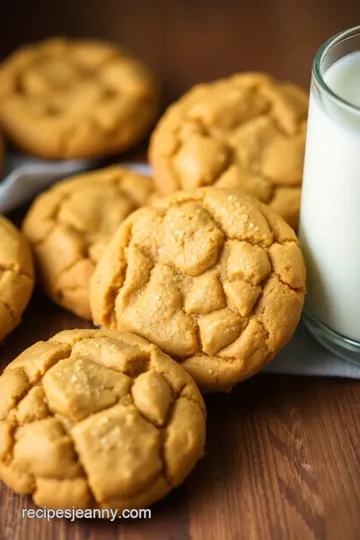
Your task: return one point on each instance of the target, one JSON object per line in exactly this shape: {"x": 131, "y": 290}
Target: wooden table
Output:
{"x": 283, "y": 453}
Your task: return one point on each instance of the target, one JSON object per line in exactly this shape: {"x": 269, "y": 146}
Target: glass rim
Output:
{"x": 325, "y": 47}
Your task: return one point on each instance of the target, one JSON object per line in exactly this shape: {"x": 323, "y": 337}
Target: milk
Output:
{"x": 330, "y": 206}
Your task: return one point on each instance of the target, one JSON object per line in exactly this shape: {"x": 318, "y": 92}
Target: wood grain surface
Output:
{"x": 283, "y": 453}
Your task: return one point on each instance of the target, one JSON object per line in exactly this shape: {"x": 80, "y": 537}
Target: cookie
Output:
{"x": 247, "y": 132}
{"x": 65, "y": 99}
{"x": 96, "y": 418}
{"x": 211, "y": 276}
{"x": 69, "y": 226}
{"x": 16, "y": 276}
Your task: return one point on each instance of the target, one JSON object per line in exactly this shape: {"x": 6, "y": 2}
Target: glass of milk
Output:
{"x": 330, "y": 206}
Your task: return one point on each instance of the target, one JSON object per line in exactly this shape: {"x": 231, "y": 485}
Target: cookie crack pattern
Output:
{"x": 141, "y": 288}
{"x": 67, "y": 288}
{"x": 189, "y": 397}
{"x": 118, "y": 279}
{"x": 67, "y": 269}
{"x": 283, "y": 241}
{"x": 204, "y": 312}
{"x": 36, "y": 381}
{"x": 16, "y": 276}
{"x": 76, "y": 339}
{"x": 273, "y": 185}
{"x": 89, "y": 98}
{"x": 271, "y": 125}
{"x": 61, "y": 221}
{"x": 199, "y": 340}
{"x": 162, "y": 431}
{"x": 13, "y": 267}
{"x": 69, "y": 136}
{"x": 268, "y": 337}
{"x": 230, "y": 236}
{"x": 79, "y": 461}
{"x": 15, "y": 424}
{"x": 11, "y": 420}
{"x": 11, "y": 312}
{"x": 163, "y": 434}
{"x": 243, "y": 329}
{"x": 8, "y": 458}
{"x": 104, "y": 63}
{"x": 87, "y": 238}
{"x": 204, "y": 129}
{"x": 198, "y": 121}
{"x": 300, "y": 291}
{"x": 94, "y": 452}
{"x": 52, "y": 218}
{"x": 188, "y": 197}
{"x": 127, "y": 195}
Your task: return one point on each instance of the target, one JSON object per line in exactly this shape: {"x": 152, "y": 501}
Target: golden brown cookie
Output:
{"x": 16, "y": 276}
{"x": 247, "y": 131}
{"x": 69, "y": 226}
{"x": 213, "y": 277}
{"x": 96, "y": 418}
{"x": 70, "y": 99}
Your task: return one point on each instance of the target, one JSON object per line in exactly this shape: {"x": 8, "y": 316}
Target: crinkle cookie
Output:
{"x": 213, "y": 277}
{"x": 96, "y": 418}
{"x": 65, "y": 98}
{"x": 16, "y": 276}
{"x": 247, "y": 132}
{"x": 69, "y": 226}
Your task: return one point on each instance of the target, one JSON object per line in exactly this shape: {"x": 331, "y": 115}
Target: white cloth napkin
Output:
{"x": 26, "y": 177}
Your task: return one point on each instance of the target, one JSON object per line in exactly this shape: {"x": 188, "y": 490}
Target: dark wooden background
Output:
{"x": 283, "y": 453}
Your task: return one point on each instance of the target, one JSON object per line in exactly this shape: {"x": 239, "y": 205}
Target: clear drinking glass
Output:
{"x": 330, "y": 205}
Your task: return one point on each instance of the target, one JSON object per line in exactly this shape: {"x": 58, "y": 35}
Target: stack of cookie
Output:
{"x": 195, "y": 281}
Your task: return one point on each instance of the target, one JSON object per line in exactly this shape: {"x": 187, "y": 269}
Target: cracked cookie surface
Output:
{"x": 16, "y": 276}
{"x": 96, "y": 418}
{"x": 70, "y": 225}
{"x": 70, "y": 99}
{"x": 211, "y": 276}
{"x": 247, "y": 132}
